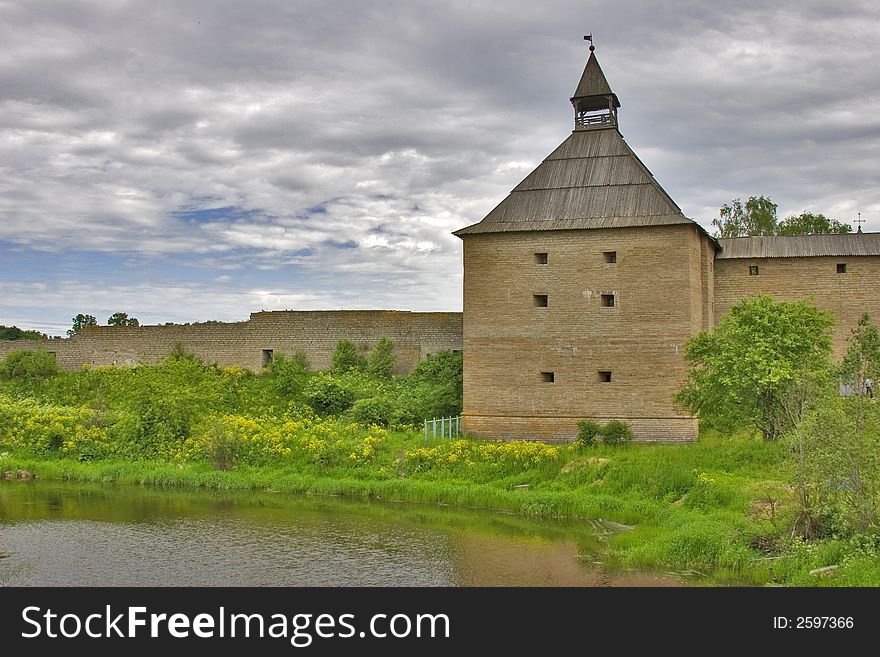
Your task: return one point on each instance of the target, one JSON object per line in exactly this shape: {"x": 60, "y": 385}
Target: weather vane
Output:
{"x": 589, "y": 37}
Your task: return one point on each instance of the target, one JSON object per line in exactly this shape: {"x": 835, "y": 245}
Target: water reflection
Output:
{"x": 91, "y": 535}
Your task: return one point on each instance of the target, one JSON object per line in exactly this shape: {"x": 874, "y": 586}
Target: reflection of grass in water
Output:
{"x": 46, "y": 499}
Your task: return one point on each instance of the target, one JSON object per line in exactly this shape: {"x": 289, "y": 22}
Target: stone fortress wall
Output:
{"x": 251, "y": 344}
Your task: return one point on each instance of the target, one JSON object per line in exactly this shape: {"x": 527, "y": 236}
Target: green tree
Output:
{"x": 862, "y": 357}
{"x": 808, "y": 223}
{"x": 761, "y": 366}
{"x": 382, "y": 360}
{"x": 80, "y": 322}
{"x": 346, "y": 357}
{"x": 122, "y": 319}
{"x": 15, "y": 333}
{"x": 757, "y": 216}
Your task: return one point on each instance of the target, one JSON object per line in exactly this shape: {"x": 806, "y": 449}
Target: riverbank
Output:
{"x": 720, "y": 509}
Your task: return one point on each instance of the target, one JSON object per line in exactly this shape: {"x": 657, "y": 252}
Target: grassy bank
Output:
{"x": 723, "y": 507}
{"x": 720, "y": 508}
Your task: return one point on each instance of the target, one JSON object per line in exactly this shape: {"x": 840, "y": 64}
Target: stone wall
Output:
{"x": 250, "y": 344}
{"x": 847, "y": 295}
{"x": 512, "y": 342}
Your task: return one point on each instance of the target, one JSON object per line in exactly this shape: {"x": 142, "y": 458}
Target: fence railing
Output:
{"x": 443, "y": 427}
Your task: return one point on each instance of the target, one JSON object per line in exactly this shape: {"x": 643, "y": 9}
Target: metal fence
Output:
{"x": 443, "y": 427}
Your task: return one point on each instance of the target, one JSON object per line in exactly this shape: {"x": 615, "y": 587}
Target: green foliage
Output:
{"x": 760, "y": 366}
{"x": 616, "y": 432}
{"x": 80, "y": 322}
{"x": 28, "y": 365}
{"x": 444, "y": 366}
{"x": 588, "y": 431}
{"x": 862, "y": 358}
{"x": 382, "y": 360}
{"x": 346, "y": 357}
{"x": 757, "y": 216}
{"x": 15, "y": 333}
{"x": 378, "y": 411}
{"x": 808, "y": 223}
{"x": 840, "y": 440}
{"x": 122, "y": 319}
{"x": 327, "y": 395}
{"x": 434, "y": 389}
{"x": 289, "y": 375}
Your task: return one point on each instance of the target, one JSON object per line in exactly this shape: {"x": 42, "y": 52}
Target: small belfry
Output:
{"x": 595, "y": 105}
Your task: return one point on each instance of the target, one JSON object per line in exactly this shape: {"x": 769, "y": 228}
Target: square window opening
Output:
{"x": 610, "y": 256}
{"x": 548, "y": 377}
{"x": 267, "y": 357}
{"x": 753, "y": 270}
{"x": 605, "y": 376}
{"x": 541, "y": 258}
{"x": 608, "y": 300}
{"x": 539, "y": 300}
{"x": 841, "y": 268}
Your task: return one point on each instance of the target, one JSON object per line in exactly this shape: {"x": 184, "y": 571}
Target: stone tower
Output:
{"x": 581, "y": 289}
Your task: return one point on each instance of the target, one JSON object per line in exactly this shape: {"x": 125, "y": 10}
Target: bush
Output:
{"x": 346, "y": 357}
{"x": 28, "y": 365}
{"x": 373, "y": 410}
{"x": 290, "y": 374}
{"x": 382, "y": 360}
{"x": 327, "y": 395}
{"x": 616, "y": 433}
{"x": 587, "y": 432}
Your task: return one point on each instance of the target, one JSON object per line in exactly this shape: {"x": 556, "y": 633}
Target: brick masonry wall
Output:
{"x": 847, "y": 295}
{"x": 415, "y": 335}
{"x": 657, "y": 283}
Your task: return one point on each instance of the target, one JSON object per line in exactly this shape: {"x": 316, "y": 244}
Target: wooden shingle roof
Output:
{"x": 592, "y": 180}
{"x": 801, "y": 246}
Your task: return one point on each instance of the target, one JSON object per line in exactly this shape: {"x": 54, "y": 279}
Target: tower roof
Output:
{"x": 593, "y": 90}
{"x": 592, "y": 180}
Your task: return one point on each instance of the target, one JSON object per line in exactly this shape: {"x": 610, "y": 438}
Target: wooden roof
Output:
{"x": 801, "y": 246}
{"x": 593, "y": 89}
{"x": 592, "y": 180}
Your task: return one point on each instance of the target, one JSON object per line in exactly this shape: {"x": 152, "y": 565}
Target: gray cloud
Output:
{"x": 389, "y": 125}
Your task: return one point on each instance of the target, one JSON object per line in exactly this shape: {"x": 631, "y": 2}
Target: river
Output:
{"x": 62, "y": 534}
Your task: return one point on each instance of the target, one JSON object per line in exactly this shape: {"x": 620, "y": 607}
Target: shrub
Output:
{"x": 290, "y": 374}
{"x": 327, "y": 395}
{"x": 28, "y": 365}
{"x": 382, "y": 360}
{"x": 587, "y": 432}
{"x": 346, "y": 357}
{"x": 373, "y": 410}
{"x": 616, "y": 433}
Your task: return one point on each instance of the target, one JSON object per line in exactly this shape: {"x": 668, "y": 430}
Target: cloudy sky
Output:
{"x": 185, "y": 160}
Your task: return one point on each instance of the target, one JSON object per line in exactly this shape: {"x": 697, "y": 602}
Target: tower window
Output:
{"x": 610, "y": 256}
{"x": 605, "y": 376}
{"x": 841, "y": 267}
{"x": 608, "y": 300}
{"x": 753, "y": 270}
{"x": 540, "y": 258}
{"x": 548, "y": 377}
{"x": 539, "y": 300}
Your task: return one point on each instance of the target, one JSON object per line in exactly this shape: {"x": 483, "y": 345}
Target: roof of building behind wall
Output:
{"x": 800, "y": 246}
